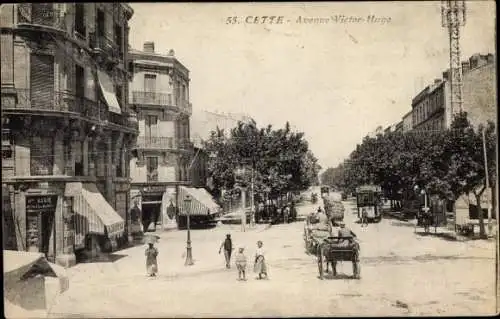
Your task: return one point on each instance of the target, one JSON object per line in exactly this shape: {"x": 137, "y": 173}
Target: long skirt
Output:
{"x": 152, "y": 267}
{"x": 260, "y": 265}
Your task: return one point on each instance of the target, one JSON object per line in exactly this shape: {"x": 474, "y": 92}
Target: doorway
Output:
{"x": 40, "y": 225}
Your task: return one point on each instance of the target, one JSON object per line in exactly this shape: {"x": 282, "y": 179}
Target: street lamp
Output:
{"x": 189, "y": 255}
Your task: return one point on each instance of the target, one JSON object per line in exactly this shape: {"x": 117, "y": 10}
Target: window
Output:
{"x": 119, "y": 94}
{"x": 79, "y": 81}
{"x": 150, "y": 83}
{"x": 6, "y": 144}
{"x": 152, "y": 168}
{"x": 118, "y": 39}
{"x": 41, "y": 155}
{"x": 151, "y": 126}
{"x": 42, "y": 81}
{"x": 101, "y": 23}
{"x": 119, "y": 167}
{"x": 80, "y": 19}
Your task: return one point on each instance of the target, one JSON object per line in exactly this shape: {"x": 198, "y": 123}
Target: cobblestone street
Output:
{"x": 402, "y": 273}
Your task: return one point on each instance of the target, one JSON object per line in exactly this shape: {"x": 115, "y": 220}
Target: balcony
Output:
{"x": 161, "y": 99}
{"x": 41, "y": 16}
{"x": 101, "y": 45}
{"x": 57, "y": 102}
{"x": 162, "y": 143}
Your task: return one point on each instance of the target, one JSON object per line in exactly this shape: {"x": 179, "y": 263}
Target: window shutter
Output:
{"x": 42, "y": 81}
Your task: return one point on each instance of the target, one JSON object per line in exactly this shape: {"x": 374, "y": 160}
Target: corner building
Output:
{"x": 163, "y": 152}
{"x": 67, "y": 130}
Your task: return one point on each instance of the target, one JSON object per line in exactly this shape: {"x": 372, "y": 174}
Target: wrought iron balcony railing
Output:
{"x": 160, "y": 99}
{"x": 162, "y": 142}
{"x": 40, "y": 14}
{"x": 61, "y": 102}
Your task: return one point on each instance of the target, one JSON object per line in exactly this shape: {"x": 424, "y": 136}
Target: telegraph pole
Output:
{"x": 453, "y": 13}
{"x": 490, "y": 226}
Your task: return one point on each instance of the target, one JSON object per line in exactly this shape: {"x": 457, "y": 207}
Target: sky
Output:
{"x": 334, "y": 81}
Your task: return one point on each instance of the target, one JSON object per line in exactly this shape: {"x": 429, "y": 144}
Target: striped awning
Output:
{"x": 108, "y": 91}
{"x": 93, "y": 212}
{"x": 201, "y": 201}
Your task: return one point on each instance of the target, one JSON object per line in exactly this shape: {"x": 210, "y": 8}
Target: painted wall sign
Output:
{"x": 41, "y": 203}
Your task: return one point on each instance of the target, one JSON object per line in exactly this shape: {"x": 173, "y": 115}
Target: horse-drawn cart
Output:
{"x": 314, "y": 236}
{"x": 335, "y": 249}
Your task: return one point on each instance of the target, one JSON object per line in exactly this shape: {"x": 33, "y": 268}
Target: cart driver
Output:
{"x": 346, "y": 235}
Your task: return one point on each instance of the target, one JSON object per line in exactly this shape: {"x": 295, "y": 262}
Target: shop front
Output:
{"x": 98, "y": 227}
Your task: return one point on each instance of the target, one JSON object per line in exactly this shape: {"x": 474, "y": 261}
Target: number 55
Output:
{"x": 231, "y": 20}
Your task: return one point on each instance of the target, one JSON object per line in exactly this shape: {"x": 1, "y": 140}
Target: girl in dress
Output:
{"x": 151, "y": 261}
{"x": 260, "y": 262}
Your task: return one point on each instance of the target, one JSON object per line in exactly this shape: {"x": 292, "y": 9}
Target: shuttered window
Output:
{"x": 152, "y": 167}
{"x": 41, "y": 155}
{"x": 151, "y": 126}
{"x": 42, "y": 81}
{"x": 150, "y": 83}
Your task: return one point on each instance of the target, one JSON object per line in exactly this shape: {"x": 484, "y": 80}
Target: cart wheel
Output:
{"x": 320, "y": 264}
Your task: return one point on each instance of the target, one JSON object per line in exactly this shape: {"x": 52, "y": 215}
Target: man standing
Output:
{"x": 364, "y": 218}
{"x": 227, "y": 244}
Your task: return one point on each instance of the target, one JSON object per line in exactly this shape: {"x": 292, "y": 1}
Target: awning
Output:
{"x": 201, "y": 201}
{"x": 108, "y": 91}
{"x": 94, "y": 214}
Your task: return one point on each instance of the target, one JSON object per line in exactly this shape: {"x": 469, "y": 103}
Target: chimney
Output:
{"x": 465, "y": 67}
{"x": 149, "y": 47}
{"x": 446, "y": 75}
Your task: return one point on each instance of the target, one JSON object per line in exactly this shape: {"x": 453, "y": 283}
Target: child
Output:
{"x": 241, "y": 264}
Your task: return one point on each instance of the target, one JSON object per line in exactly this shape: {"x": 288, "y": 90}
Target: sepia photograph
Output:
{"x": 249, "y": 159}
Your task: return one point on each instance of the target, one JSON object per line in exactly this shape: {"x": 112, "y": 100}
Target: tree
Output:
{"x": 466, "y": 172}
{"x": 279, "y": 159}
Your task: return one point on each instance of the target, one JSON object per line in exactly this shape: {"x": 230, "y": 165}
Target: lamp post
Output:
{"x": 189, "y": 255}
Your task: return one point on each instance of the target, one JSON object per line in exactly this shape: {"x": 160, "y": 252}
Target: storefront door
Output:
{"x": 40, "y": 225}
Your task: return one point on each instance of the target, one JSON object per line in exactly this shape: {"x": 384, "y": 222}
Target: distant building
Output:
{"x": 399, "y": 127}
{"x": 408, "y": 121}
{"x": 432, "y": 106}
{"x": 204, "y": 122}
{"x": 159, "y": 93}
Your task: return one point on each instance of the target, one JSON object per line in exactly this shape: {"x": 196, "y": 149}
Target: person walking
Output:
{"x": 286, "y": 214}
{"x": 151, "y": 260}
{"x": 260, "y": 261}
{"x": 241, "y": 264}
{"x": 227, "y": 244}
{"x": 364, "y": 218}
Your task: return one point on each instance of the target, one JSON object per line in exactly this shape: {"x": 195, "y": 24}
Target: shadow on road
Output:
{"x": 444, "y": 236}
{"x": 339, "y": 276}
{"x": 102, "y": 258}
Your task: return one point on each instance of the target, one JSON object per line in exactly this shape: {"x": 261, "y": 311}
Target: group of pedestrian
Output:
{"x": 260, "y": 266}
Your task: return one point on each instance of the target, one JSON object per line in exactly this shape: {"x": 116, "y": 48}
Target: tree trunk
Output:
{"x": 482, "y": 230}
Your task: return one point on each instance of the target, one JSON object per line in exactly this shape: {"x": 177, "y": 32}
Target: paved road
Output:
{"x": 402, "y": 273}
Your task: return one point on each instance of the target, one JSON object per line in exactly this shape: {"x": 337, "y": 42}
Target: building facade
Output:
{"x": 408, "y": 122}
{"x": 66, "y": 127}
{"x": 431, "y": 108}
{"x": 163, "y": 152}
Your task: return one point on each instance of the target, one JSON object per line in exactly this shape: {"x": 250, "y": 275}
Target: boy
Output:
{"x": 241, "y": 264}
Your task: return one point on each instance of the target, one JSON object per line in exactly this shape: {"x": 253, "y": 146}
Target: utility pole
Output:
{"x": 490, "y": 226}
{"x": 453, "y": 13}
{"x": 252, "y": 209}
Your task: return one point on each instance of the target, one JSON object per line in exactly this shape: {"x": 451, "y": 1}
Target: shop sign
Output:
{"x": 41, "y": 203}
{"x": 154, "y": 189}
